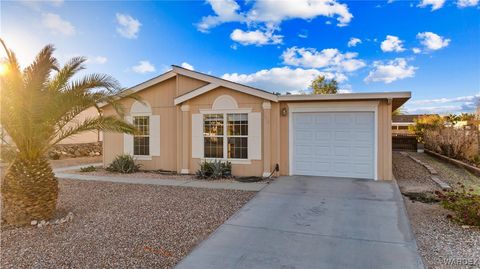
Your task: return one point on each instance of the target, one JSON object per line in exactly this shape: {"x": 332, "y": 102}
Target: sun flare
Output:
{"x": 3, "y": 69}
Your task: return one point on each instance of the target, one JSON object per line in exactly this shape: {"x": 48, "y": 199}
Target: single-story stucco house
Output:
{"x": 186, "y": 117}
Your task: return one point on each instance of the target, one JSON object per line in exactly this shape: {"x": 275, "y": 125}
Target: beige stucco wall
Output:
{"x": 205, "y": 101}
{"x": 160, "y": 98}
{"x": 175, "y": 129}
{"x": 85, "y": 137}
{"x": 188, "y": 84}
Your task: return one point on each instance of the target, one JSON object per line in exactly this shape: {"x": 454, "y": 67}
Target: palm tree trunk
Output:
{"x": 29, "y": 192}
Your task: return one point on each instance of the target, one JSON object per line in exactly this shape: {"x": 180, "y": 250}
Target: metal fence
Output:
{"x": 404, "y": 142}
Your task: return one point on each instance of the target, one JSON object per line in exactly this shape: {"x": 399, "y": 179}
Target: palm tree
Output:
{"x": 38, "y": 110}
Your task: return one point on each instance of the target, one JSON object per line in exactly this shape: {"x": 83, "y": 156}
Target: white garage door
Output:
{"x": 339, "y": 144}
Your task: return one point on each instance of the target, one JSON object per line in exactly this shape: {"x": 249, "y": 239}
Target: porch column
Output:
{"x": 185, "y": 131}
{"x": 266, "y": 138}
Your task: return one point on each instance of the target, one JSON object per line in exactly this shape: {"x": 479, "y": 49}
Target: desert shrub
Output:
{"x": 476, "y": 159}
{"x": 464, "y": 203}
{"x": 214, "y": 170}
{"x": 90, "y": 168}
{"x": 124, "y": 164}
{"x": 426, "y": 122}
{"x": 455, "y": 143}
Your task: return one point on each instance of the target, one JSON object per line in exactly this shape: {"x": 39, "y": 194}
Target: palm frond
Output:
{"x": 108, "y": 123}
{"x": 73, "y": 66}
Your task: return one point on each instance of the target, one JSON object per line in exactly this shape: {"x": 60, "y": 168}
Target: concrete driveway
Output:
{"x": 314, "y": 222}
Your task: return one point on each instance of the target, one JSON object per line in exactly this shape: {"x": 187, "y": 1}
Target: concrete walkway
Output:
{"x": 314, "y": 222}
{"x": 255, "y": 186}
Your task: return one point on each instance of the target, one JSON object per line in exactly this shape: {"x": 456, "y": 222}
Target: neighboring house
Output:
{"x": 86, "y": 137}
{"x": 400, "y": 123}
{"x": 186, "y": 117}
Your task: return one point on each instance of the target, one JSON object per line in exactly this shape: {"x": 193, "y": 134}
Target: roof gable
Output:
{"x": 214, "y": 83}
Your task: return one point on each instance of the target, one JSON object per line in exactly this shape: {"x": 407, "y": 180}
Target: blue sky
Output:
{"x": 429, "y": 47}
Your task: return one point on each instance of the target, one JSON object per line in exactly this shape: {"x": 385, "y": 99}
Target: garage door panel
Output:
{"x": 322, "y": 136}
{"x": 323, "y": 119}
{"x": 343, "y": 119}
{"x": 363, "y": 119}
{"x": 342, "y": 152}
{"x": 343, "y": 135}
{"x": 333, "y": 144}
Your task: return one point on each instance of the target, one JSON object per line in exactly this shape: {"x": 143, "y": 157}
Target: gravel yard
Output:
{"x": 121, "y": 226}
{"x": 437, "y": 237}
{"x": 450, "y": 173}
{"x": 75, "y": 161}
{"x": 411, "y": 176}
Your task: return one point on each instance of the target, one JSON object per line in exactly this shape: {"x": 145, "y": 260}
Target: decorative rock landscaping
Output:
{"x": 76, "y": 150}
{"x": 439, "y": 239}
{"x": 43, "y": 223}
{"x": 434, "y": 174}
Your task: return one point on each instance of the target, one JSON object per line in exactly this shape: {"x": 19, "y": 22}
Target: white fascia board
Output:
{"x": 346, "y": 96}
{"x": 146, "y": 84}
{"x": 195, "y": 93}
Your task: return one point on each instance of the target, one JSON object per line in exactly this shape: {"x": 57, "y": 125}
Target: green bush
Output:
{"x": 124, "y": 164}
{"x": 464, "y": 203}
{"x": 90, "y": 168}
{"x": 214, "y": 170}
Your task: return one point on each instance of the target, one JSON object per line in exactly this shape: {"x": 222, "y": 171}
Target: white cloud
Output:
{"x": 331, "y": 59}
{"x": 144, "y": 67}
{"x": 187, "y": 66}
{"x": 390, "y": 71}
{"x": 225, "y": 11}
{"x": 272, "y": 13}
{"x": 278, "y": 11}
{"x": 303, "y": 34}
{"x": 56, "y": 3}
{"x": 416, "y": 50}
{"x": 467, "y": 107}
{"x": 282, "y": 79}
{"x": 128, "y": 26}
{"x": 256, "y": 37}
{"x": 392, "y": 43}
{"x": 432, "y": 41}
{"x": 57, "y": 25}
{"x": 354, "y": 42}
{"x": 346, "y": 88}
{"x": 469, "y": 98}
{"x": 98, "y": 59}
{"x": 436, "y": 4}
{"x": 466, "y": 3}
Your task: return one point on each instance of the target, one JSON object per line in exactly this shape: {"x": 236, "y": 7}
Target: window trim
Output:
{"x": 142, "y": 157}
{"x": 225, "y": 136}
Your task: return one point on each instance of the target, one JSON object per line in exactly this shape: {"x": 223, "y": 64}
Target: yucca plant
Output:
{"x": 39, "y": 106}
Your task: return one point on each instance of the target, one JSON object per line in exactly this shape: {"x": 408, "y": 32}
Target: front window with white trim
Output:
{"x": 225, "y": 135}
{"x": 141, "y": 140}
